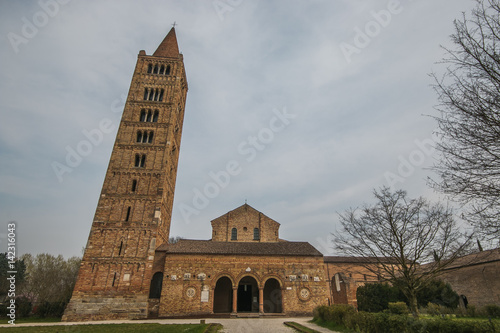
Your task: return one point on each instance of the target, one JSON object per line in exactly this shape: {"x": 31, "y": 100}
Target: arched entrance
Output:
{"x": 248, "y": 295}
{"x": 156, "y": 284}
{"x": 223, "y": 295}
{"x": 339, "y": 289}
{"x": 272, "y": 297}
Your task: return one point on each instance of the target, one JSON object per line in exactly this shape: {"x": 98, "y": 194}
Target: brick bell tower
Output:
{"x": 135, "y": 206}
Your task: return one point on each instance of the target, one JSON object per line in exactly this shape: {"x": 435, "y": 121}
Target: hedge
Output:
{"x": 383, "y": 322}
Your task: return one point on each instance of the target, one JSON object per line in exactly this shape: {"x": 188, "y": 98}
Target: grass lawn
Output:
{"x": 120, "y": 328}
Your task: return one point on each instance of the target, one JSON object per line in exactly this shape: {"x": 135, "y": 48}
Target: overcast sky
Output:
{"x": 317, "y": 102}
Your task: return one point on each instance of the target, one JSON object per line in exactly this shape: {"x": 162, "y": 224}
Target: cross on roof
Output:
{"x": 173, "y": 25}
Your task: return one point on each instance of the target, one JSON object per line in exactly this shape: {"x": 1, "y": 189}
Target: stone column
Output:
{"x": 235, "y": 299}
{"x": 261, "y": 300}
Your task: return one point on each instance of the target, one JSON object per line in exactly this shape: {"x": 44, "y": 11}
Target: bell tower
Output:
{"x": 134, "y": 211}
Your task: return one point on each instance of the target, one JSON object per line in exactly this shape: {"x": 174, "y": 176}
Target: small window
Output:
{"x": 150, "y": 68}
{"x": 150, "y": 137}
{"x": 148, "y": 118}
{"x": 155, "y": 71}
{"x": 234, "y": 234}
{"x": 155, "y": 116}
{"x": 143, "y": 161}
{"x": 161, "y": 95}
{"x": 256, "y": 234}
{"x": 134, "y": 185}
{"x": 167, "y": 72}
{"x": 145, "y": 94}
{"x": 143, "y": 115}
{"x": 128, "y": 213}
{"x": 139, "y": 136}
{"x": 151, "y": 94}
{"x": 162, "y": 69}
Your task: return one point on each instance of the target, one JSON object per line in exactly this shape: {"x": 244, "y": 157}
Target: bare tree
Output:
{"x": 469, "y": 120}
{"x": 396, "y": 235}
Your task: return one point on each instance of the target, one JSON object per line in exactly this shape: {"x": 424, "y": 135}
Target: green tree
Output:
{"x": 50, "y": 281}
{"x": 19, "y": 267}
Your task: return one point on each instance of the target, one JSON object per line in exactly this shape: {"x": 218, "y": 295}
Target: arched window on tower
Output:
{"x": 150, "y": 137}
{"x": 120, "y": 249}
{"x": 234, "y": 234}
{"x": 127, "y": 217}
{"x": 140, "y": 161}
{"x": 167, "y": 72}
{"x": 139, "y": 136}
{"x": 148, "y": 118}
{"x": 143, "y": 115}
{"x": 134, "y": 185}
{"x": 161, "y": 95}
{"x": 162, "y": 69}
{"x": 155, "y": 116}
{"x": 150, "y": 68}
{"x": 155, "y": 71}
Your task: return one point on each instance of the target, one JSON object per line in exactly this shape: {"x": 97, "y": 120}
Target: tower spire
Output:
{"x": 168, "y": 48}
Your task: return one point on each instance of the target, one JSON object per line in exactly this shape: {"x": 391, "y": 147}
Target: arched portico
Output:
{"x": 223, "y": 295}
{"x": 272, "y": 296}
{"x": 248, "y": 295}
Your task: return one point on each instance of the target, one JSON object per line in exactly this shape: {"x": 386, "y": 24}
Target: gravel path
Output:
{"x": 236, "y": 325}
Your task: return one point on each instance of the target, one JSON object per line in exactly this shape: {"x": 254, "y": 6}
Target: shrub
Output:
{"x": 375, "y": 297}
{"x": 433, "y": 309}
{"x": 24, "y": 307}
{"x": 492, "y": 310}
{"x": 398, "y": 308}
{"x": 438, "y": 292}
{"x": 50, "y": 309}
{"x": 336, "y": 313}
{"x": 471, "y": 311}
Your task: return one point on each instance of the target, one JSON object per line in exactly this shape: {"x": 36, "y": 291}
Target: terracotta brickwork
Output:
{"x": 476, "y": 277}
{"x": 345, "y": 275}
{"x": 135, "y": 206}
{"x": 248, "y": 224}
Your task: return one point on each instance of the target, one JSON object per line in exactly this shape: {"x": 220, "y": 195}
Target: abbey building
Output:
{"x": 129, "y": 269}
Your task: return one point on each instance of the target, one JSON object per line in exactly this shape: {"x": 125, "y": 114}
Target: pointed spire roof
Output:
{"x": 169, "y": 47}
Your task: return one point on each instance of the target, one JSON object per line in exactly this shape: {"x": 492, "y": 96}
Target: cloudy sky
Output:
{"x": 319, "y": 102}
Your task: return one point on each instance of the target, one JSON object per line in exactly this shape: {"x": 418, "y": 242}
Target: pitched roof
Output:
{"x": 358, "y": 260}
{"x": 190, "y": 246}
{"x": 168, "y": 48}
{"x": 244, "y": 209}
{"x": 476, "y": 259}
